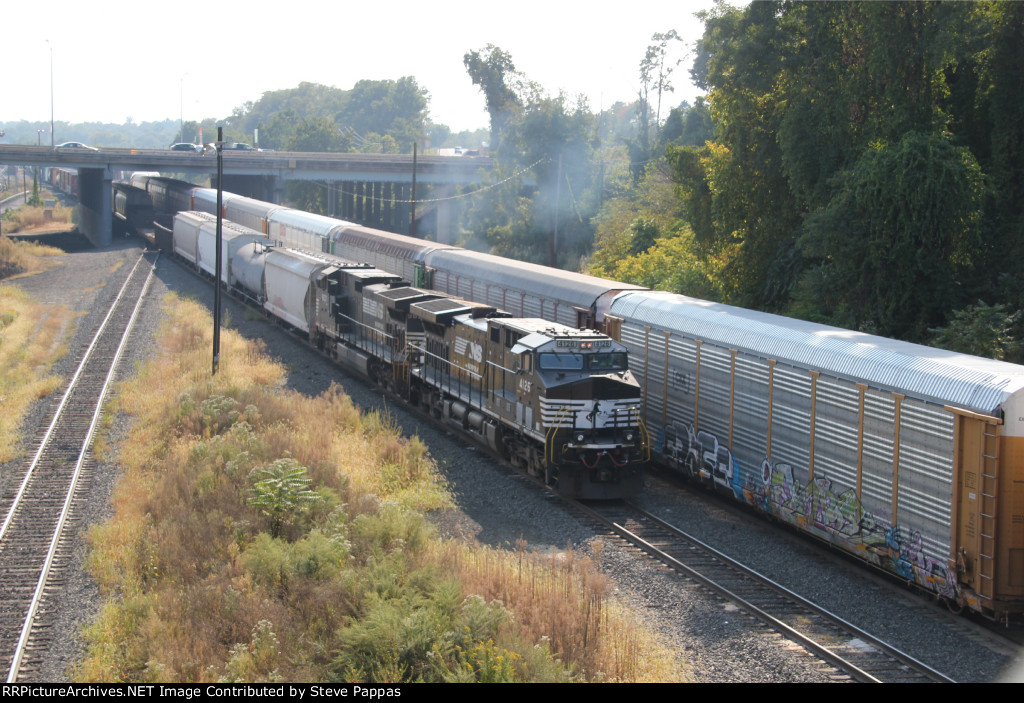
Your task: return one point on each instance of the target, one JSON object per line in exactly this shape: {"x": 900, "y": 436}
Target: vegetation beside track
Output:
{"x": 32, "y": 339}
{"x": 262, "y": 535}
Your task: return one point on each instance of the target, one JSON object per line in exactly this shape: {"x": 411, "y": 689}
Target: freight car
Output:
{"x": 133, "y": 211}
{"x": 559, "y": 402}
{"x": 906, "y": 456}
{"x": 65, "y": 180}
{"x": 909, "y": 457}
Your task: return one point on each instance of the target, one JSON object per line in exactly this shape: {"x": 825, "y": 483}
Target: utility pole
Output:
{"x": 220, "y": 246}
{"x": 412, "y": 199}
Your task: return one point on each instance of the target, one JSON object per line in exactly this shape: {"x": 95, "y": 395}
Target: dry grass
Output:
{"x": 32, "y": 338}
{"x": 355, "y": 586}
{"x": 563, "y": 599}
{"x": 26, "y": 258}
{"x": 33, "y": 218}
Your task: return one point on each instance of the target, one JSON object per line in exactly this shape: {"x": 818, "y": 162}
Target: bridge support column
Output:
{"x": 332, "y": 198}
{"x": 444, "y": 207}
{"x": 278, "y": 190}
{"x": 94, "y": 205}
{"x": 387, "y": 207}
{"x": 360, "y": 203}
{"x": 348, "y": 203}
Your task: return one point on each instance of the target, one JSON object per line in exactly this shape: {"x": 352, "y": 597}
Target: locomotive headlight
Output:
{"x": 629, "y": 436}
{"x": 580, "y": 437}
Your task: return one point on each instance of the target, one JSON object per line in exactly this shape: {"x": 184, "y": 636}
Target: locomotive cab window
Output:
{"x": 526, "y": 362}
{"x": 614, "y": 361}
{"x": 561, "y": 361}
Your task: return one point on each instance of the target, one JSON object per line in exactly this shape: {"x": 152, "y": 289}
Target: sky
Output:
{"x": 148, "y": 61}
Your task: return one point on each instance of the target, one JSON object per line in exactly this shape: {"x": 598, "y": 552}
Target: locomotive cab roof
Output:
{"x": 536, "y": 333}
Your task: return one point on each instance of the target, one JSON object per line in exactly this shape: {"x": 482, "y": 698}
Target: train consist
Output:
{"x": 557, "y": 401}
{"x": 64, "y": 180}
{"x": 908, "y": 457}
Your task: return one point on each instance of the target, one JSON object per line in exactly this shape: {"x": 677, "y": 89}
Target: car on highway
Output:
{"x": 186, "y": 146}
{"x": 76, "y": 145}
{"x": 238, "y": 146}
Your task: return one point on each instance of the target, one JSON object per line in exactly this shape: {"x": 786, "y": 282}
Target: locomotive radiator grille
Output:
{"x": 590, "y": 414}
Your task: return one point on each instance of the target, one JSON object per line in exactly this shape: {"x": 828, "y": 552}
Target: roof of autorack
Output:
{"x": 388, "y": 243}
{"x": 544, "y": 281}
{"x": 928, "y": 373}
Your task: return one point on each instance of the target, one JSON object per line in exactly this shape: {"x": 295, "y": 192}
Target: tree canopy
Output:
{"x": 865, "y": 167}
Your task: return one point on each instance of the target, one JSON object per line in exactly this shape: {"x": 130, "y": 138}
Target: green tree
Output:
{"x": 395, "y": 108}
{"x": 752, "y": 214}
{"x": 897, "y": 235}
{"x": 548, "y": 138}
{"x": 982, "y": 330}
{"x": 492, "y": 70}
{"x": 281, "y": 492}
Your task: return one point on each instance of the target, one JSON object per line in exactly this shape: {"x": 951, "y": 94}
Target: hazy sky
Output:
{"x": 152, "y": 61}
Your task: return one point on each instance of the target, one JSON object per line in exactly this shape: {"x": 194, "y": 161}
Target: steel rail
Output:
{"x": 821, "y": 650}
{"x": 37, "y": 596}
{"x": 72, "y": 384}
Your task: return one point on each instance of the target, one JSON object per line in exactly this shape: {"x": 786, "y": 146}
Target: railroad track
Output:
{"x": 859, "y": 655}
{"x": 37, "y": 509}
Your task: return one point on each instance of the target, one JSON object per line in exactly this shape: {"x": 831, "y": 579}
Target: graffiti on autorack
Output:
{"x": 837, "y": 516}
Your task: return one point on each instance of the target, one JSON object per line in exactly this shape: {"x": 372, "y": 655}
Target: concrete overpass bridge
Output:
{"x": 372, "y": 189}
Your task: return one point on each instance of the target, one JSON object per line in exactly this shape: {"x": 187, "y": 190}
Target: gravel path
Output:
{"x": 498, "y": 508}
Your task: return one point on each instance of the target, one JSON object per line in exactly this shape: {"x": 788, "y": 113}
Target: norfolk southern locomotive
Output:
{"x": 558, "y": 402}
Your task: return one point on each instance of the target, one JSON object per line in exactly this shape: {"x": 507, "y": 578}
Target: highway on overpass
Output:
{"x": 97, "y": 168}
{"x": 457, "y": 170}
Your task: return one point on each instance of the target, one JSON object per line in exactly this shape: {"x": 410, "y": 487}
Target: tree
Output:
{"x": 307, "y": 101}
{"x": 982, "y": 330}
{"x": 656, "y": 71}
{"x": 281, "y": 492}
{"x": 688, "y": 126}
{"x": 319, "y": 134}
{"x": 396, "y": 108}
{"x": 492, "y": 70}
{"x": 894, "y": 240}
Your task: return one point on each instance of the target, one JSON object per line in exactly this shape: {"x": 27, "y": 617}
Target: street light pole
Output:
{"x": 181, "y": 109}
{"x": 52, "y": 140}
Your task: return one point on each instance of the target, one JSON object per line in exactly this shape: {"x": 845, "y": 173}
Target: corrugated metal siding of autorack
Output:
{"x": 733, "y": 407}
{"x": 300, "y": 229}
{"x": 394, "y": 253}
{"x": 250, "y": 213}
{"x": 170, "y": 195}
{"x": 521, "y": 288}
{"x": 205, "y": 200}
{"x": 943, "y": 377}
